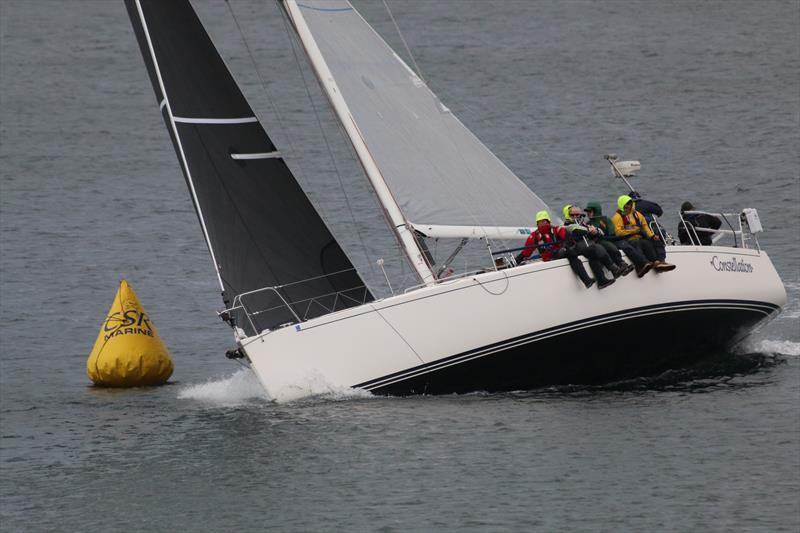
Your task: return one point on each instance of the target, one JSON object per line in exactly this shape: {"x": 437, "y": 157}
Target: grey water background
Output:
{"x": 706, "y": 94}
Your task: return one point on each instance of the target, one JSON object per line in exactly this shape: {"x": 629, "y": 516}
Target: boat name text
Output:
{"x": 733, "y": 265}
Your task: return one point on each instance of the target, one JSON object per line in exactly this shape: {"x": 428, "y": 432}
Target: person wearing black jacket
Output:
{"x": 580, "y": 234}
{"x": 696, "y": 220}
{"x": 649, "y": 210}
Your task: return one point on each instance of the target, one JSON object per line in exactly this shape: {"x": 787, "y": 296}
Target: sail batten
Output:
{"x": 199, "y": 120}
{"x": 261, "y": 155}
{"x": 260, "y": 228}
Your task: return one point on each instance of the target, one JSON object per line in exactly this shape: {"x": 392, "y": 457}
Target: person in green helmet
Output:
{"x": 611, "y": 242}
{"x": 594, "y": 212}
{"x": 551, "y": 242}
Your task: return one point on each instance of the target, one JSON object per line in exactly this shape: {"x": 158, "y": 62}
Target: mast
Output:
{"x": 399, "y": 223}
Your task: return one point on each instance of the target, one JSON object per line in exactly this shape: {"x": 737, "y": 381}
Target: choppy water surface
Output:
{"x": 707, "y": 95}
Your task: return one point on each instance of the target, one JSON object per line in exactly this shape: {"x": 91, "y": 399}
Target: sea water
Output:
{"x": 706, "y": 95}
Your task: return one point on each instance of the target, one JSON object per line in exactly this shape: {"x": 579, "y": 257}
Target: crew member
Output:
{"x": 631, "y": 226}
{"x": 696, "y": 220}
{"x": 585, "y": 239}
{"x": 651, "y": 212}
{"x": 550, "y": 241}
{"x": 597, "y": 237}
{"x": 596, "y": 218}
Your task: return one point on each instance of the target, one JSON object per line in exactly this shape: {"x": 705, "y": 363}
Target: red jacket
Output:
{"x": 547, "y": 243}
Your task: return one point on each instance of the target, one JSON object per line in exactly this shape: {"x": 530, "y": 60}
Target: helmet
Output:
{"x": 565, "y": 211}
{"x": 542, "y": 215}
{"x": 622, "y": 200}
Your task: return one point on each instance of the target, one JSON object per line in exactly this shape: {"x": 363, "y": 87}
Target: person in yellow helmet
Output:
{"x": 632, "y": 228}
{"x": 542, "y": 215}
{"x": 551, "y": 242}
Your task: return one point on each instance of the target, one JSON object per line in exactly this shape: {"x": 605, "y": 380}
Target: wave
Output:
{"x": 243, "y": 387}
{"x": 781, "y": 347}
{"x": 751, "y": 356}
{"x": 240, "y": 387}
{"x": 792, "y": 309}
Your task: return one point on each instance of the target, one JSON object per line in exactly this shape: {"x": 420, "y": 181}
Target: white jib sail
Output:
{"x": 440, "y": 175}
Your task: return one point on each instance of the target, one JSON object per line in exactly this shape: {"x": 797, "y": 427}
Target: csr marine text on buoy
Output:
{"x": 128, "y": 351}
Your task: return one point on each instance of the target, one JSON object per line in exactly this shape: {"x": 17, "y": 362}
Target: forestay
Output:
{"x": 260, "y": 227}
{"x": 440, "y": 174}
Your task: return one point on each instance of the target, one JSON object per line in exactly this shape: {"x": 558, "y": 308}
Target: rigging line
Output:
{"x": 437, "y": 102}
{"x": 401, "y": 257}
{"x": 260, "y": 77}
{"x": 327, "y": 145}
{"x": 282, "y": 123}
{"x": 402, "y": 38}
{"x": 176, "y": 138}
{"x": 236, "y": 209}
{"x": 445, "y": 110}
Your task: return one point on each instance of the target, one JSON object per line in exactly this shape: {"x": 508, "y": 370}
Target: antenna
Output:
{"x": 623, "y": 169}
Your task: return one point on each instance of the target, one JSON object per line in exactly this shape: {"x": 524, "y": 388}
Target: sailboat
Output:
{"x": 302, "y": 314}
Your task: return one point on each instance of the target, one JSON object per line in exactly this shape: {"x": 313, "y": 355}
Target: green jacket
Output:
{"x": 600, "y": 221}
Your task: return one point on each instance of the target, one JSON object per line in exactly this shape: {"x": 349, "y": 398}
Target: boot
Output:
{"x": 627, "y": 268}
{"x": 622, "y": 269}
{"x": 644, "y": 269}
{"x": 605, "y": 282}
{"x": 588, "y": 282}
{"x": 663, "y": 266}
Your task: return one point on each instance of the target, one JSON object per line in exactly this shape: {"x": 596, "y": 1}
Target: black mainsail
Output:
{"x": 260, "y": 228}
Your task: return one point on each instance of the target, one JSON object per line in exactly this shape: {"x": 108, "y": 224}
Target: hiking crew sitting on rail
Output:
{"x": 696, "y": 220}
{"x": 551, "y": 242}
{"x": 598, "y": 220}
{"x": 631, "y": 226}
{"x": 601, "y": 224}
{"x": 651, "y": 212}
{"x": 594, "y": 212}
{"x": 586, "y": 243}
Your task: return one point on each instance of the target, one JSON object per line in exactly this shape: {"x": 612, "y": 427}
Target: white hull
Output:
{"x": 516, "y": 327}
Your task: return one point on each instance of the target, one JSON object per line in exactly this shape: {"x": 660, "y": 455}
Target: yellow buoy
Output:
{"x": 128, "y": 351}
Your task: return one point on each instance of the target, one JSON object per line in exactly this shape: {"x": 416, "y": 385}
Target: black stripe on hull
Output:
{"x": 617, "y": 346}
